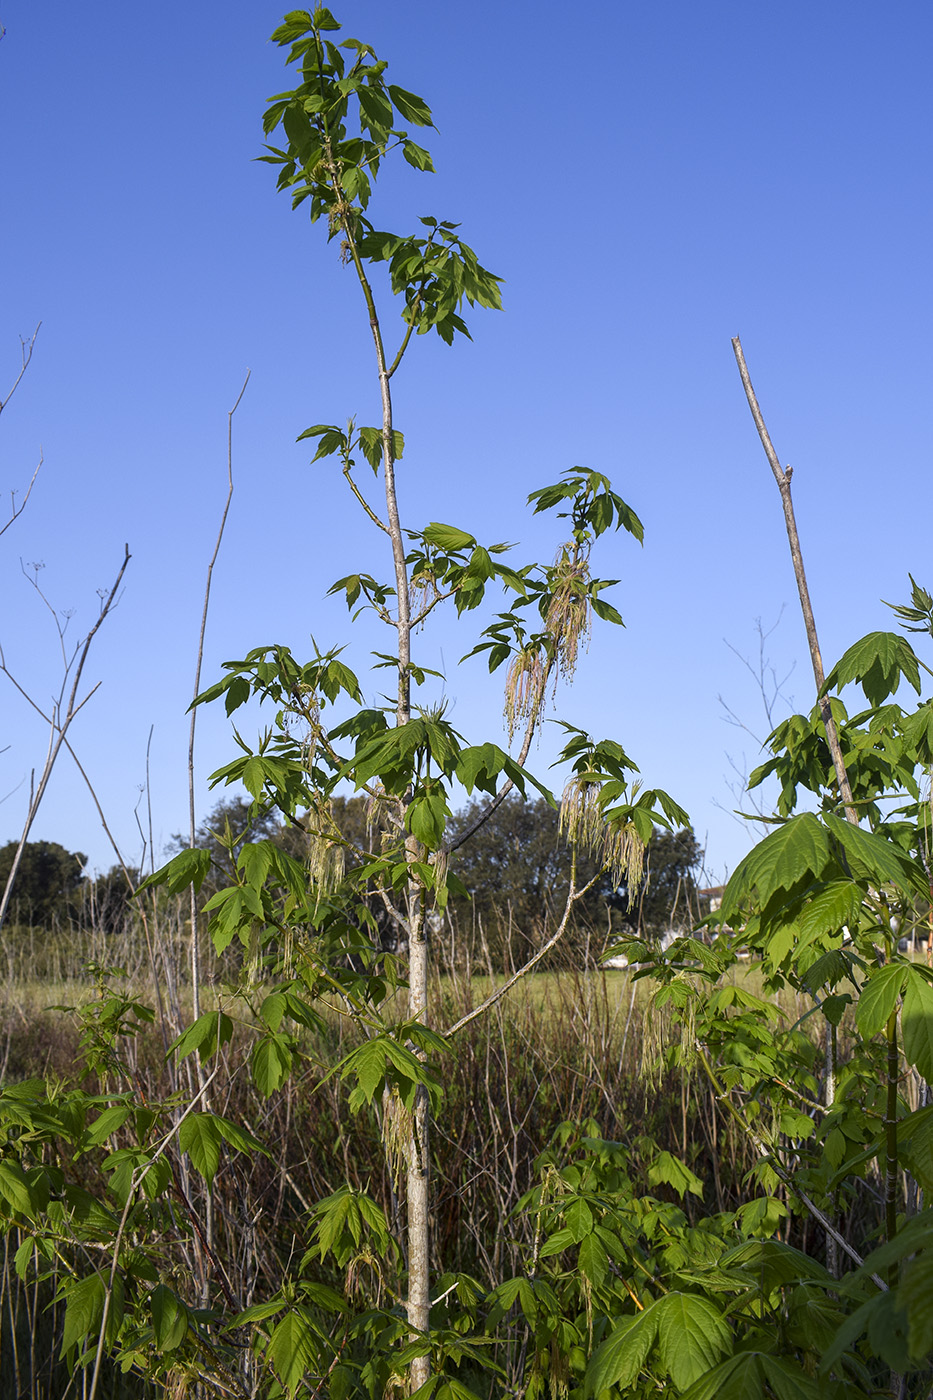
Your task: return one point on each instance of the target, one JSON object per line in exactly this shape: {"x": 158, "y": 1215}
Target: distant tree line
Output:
{"x": 515, "y": 870}
{"x": 48, "y": 882}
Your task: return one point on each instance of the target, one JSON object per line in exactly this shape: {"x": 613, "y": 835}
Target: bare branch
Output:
{"x": 195, "y": 960}
{"x": 27, "y": 347}
{"x": 59, "y": 724}
{"x": 17, "y": 510}
{"x": 363, "y": 502}
{"x": 572, "y": 897}
{"x": 783, "y": 479}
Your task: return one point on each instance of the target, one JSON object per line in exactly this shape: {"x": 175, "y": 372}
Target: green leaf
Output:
{"x": 833, "y": 1008}
{"x": 237, "y": 692}
{"x": 558, "y": 1242}
{"x": 872, "y": 857}
{"x": 670, "y": 1171}
{"x": 829, "y": 911}
{"x": 323, "y": 19}
{"x": 417, "y": 156}
{"x": 109, "y": 1121}
{"x": 775, "y": 1264}
{"x": 426, "y": 818}
{"x": 23, "y": 1256}
{"x": 447, "y": 537}
{"x": 273, "y": 1009}
{"x": 413, "y": 109}
{"x": 84, "y": 1309}
{"x": 189, "y": 867}
{"x": 549, "y": 496}
{"x": 739, "y": 1378}
{"x": 692, "y": 1336}
{"x": 330, "y": 440}
{"x": 259, "y": 1312}
{"x": 169, "y": 1318}
{"x": 877, "y": 661}
{"x": 374, "y": 107}
{"x": 371, "y": 446}
{"x": 798, "y": 850}
{"x": 579, "y": 1220}
{"x": 15, "y": 1187}
{"x": 620, "y": 1358}
{"x": 916, "y": 1296}
{"x": 606, "y": 611}
{"x": 879, "y": 1305}
{"x": 334, "y": 1213}
{"x": 368, "y": 1065}
{"x": 292, "y": 1348}
{"x": 880, "y": 991}
{"x": 200, "y": 1137}
{"x": 593, "y": 1261}
{"x": 206, "y": 1035}
{"x": 788, "y": 1381}
{"x": 88, "y": 1213}
{"x": 915, "y": 1145}
{"x": 505, "y": 1296}
{"x": 271, "y": 1062}
{"x": 238, "y": 1138}
{"x": 762, "y": 1216}
{"x": 917, "y": 1023}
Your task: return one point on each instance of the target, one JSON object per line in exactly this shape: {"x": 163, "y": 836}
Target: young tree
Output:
{"x": 339, "y": 125}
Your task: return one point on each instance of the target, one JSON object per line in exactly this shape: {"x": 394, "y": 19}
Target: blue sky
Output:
{"x": 649, "y": 179}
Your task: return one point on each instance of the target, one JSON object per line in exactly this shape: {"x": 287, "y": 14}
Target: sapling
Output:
{"x": 339, "y": 125}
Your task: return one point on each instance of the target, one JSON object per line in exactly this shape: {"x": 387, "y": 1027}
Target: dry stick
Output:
{"x": 17, "y": 510}
{"x": 151, "y": 842}
{"x": 783, "y": 479}
{"x": 192, "y": 834}
{"x": 205, "y": 1243}
{"x": 27, "y": 348}
{"x": 58, "y": 728}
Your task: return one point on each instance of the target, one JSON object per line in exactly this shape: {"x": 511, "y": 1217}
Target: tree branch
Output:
{"x": 27, "y": 348}
{"x": 572, "y": 897}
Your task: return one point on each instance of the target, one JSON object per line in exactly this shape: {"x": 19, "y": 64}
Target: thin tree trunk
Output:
{"x": 418, "y": 1303}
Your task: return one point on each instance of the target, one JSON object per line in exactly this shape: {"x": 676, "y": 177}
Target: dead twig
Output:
{"x": 27, "y": 349}
{"x": 783, "y": 478}
{"x": 62, "y": 714}
{"x": 192, "y": 835}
